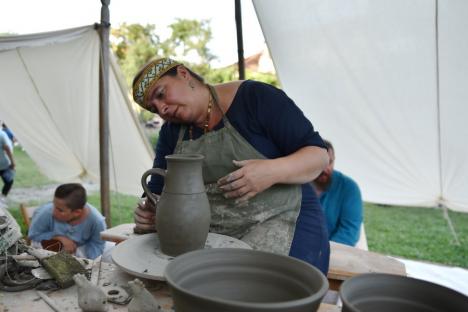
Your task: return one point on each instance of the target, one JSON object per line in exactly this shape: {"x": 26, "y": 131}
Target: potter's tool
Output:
{"x": 49, "y": 301}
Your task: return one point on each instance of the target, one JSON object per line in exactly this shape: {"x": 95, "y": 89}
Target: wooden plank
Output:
{"x": 346, "y": 261}
{"x": 118, "y": 233}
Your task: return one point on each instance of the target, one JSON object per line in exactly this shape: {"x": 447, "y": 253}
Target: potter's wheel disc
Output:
{"x": 141, "y": 255}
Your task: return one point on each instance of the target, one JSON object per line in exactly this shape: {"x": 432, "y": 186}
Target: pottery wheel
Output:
{"x": 141, "y": 255}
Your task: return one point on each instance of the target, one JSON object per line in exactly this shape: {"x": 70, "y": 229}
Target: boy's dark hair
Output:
{"x": 74, "y": 195}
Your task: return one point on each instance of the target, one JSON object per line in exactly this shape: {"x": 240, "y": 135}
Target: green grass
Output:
{"x": 407, "y": 232}
{"x": 27, "y": 172}
{"x": 417, "y": 233}
{"x": 122, "y": 206}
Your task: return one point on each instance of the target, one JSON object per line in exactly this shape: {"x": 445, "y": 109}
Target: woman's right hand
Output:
{"x": 144, "y": 216}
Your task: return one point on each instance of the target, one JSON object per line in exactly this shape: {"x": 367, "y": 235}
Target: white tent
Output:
{"x": 387, "y": 82}
{"x": 49, "y": 96}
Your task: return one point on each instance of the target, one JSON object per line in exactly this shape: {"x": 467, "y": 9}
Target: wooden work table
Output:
{"x": 103, "y": 274}
{"x": 108, "y": 276}
{"x": 345, "y": 262}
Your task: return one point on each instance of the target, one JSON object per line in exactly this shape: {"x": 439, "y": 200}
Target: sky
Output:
{"x": 33, "y": 16}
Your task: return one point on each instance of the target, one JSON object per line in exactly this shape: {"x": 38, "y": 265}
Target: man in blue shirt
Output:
{"x": 341, "y": 202}
{"x": 69, "y": 222}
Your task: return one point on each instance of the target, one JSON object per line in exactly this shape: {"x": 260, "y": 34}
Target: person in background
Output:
{"x": 341, "y": 201}
{"x": 7, "y": 164}
{"x": 260, "y": 152}
{"x": 9, "y": 133}
{"x": 69, "y": 223}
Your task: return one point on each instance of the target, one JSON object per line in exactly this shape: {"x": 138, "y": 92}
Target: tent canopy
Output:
{"x": 386, "y": 82}
{"x": 49, "y": 95}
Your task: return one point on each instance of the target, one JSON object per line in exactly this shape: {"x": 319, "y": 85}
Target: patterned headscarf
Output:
{"x": 149, "y": 76}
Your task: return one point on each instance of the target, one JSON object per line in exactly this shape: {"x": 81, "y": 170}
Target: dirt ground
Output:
{"x": 41, "y": 194}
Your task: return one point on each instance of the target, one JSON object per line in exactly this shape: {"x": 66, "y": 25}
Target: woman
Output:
{"x": 259, "y": 148}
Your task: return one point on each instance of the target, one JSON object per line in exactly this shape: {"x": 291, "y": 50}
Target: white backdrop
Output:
{"x": 387, "y": 82}
{"x": 49, "y": 96}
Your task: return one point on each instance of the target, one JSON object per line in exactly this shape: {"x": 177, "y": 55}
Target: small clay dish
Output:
{"x": 372, "y": 292}
{"x": 242, "y": 280}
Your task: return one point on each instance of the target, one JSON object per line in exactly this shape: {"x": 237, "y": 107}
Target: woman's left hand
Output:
{"x": 253, "y": 177}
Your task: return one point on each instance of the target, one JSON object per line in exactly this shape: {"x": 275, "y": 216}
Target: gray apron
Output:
{"x": 267, "y": 221}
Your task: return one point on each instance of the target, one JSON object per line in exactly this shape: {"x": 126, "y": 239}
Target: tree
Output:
{"x": 135, "y": 44}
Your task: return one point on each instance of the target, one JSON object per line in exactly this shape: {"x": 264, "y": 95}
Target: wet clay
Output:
{"x": 90, "y": 296}
{"x": 143, "y": 300}
{"x": 183, "y": 211}
{"x": 387, "y": 293}
{"x": 242, "y": 280}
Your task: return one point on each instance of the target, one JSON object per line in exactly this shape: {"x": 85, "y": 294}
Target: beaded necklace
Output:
{"x": 208, "y": 117}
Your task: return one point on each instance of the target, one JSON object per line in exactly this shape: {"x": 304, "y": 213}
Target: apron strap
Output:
{"x": 214, "y": 94}
{"x": 182, "y": 130}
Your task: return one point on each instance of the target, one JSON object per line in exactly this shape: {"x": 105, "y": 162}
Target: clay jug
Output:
{"x": 183, "y": 212}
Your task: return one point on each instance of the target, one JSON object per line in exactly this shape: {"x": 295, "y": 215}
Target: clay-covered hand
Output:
{"x": 144, "y": 216}
{"x": 68, "y": 244}
{"x": 253, "y": 177}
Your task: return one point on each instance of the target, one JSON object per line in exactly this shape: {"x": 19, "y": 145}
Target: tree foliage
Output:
{"x": 135, "y": 44}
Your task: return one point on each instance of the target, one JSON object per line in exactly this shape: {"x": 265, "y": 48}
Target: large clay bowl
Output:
{"x": 242, "y": 280}
{"x": 390, "y": 293}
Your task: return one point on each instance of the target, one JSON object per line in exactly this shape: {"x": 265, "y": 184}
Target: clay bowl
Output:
{"x": 390, "y": 293}
{"x": 241, "y": 280}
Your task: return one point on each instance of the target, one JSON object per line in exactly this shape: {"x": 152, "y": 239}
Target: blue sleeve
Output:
{"x": 41, "y": 224}
{"x": 350, "y": 219}
{"x": 95, "y": 245}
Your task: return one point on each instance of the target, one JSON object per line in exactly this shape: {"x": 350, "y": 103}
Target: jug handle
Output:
{"x": 150, "y": 195}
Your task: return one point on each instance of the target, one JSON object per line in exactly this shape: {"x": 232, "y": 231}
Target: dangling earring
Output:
{"x": 191, "y": 85}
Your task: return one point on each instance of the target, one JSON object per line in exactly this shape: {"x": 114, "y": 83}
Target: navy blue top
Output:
{"x": 273, "y": 124}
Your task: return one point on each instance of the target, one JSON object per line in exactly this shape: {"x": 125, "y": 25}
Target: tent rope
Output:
{"x": 117, "y": 193}
{"x": 439, "y": 130}
{"x": 450, "y": 224}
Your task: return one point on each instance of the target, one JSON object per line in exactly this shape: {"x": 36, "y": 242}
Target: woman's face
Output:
{"x": 174, "y": 99}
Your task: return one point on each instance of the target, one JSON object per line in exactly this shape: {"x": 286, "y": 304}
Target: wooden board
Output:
{"x": 346, "y": 261}
{"x": 119, "y": 233}
{"x": 105, "y": 275}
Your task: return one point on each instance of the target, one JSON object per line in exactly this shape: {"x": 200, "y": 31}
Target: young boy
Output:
{"x": 69, "y": 223}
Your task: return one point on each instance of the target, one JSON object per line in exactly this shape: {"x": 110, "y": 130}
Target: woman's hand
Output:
{"x": 144, "y": 216}
{"x": 253, "y": 177}
{"x": 256, "y": 175}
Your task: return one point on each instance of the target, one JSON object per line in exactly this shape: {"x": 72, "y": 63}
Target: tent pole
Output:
{"x": 104, "y": 111}
{"x": 240, "y": 44}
